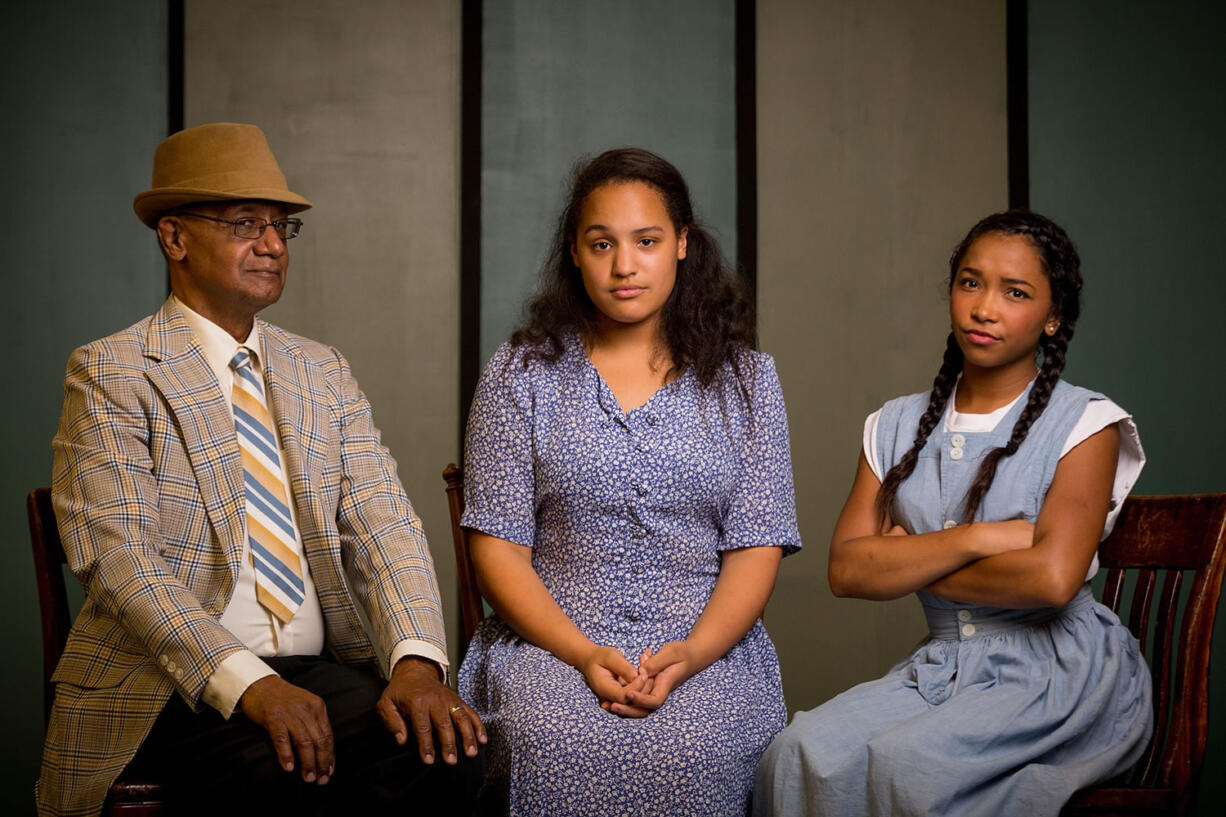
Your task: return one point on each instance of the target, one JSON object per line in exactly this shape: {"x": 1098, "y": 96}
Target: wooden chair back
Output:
{"x": 130, "y": 798}
{"x": 472, "y": 610}
{"x": 49, "y": 561}
{"x": 1177, "y": 546}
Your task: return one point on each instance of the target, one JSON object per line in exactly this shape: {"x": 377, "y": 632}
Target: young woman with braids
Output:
{"x": 629, "y": 496}
{"x": 987, "y": 496}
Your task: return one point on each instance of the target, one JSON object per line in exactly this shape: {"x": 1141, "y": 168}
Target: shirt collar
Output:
{"x": 216, "y": 343}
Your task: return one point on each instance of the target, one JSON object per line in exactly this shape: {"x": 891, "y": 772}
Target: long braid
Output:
{"x": 942, "y": 388}
{"x": 1062, "y": 265}
{"x": 1040, "y": 393}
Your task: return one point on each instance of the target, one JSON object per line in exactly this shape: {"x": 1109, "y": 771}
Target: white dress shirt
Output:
{"x": 249, "y": 621}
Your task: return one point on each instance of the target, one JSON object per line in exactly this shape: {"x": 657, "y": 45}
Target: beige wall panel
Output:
{"x": 361, "y": 103}
{"x": 881, "y": 139}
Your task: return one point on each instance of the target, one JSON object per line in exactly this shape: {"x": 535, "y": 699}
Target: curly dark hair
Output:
{"x": 708, "y": 318}
{"x": 1062, "y": 265}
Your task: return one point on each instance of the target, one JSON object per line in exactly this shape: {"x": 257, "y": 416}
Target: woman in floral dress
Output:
{"x": 629, "y": 497}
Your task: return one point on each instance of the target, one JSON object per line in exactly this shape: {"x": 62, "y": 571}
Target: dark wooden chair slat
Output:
{"x": 1160, "y": 537}
{"x": 127, "y": 798}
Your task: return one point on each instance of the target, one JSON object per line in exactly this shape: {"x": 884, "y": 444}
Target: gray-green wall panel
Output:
{"x": 881, "y": 139}
{"x": 562, "y": 80}
{"x": 361, "y": 105}
{"x": 84, "y": 94}
{"x": 1127, "y": 127}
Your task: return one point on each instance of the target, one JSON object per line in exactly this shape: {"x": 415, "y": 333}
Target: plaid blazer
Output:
{"x": 147, "y": 488}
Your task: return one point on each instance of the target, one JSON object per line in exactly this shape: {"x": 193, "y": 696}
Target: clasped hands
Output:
{"x": 297, "y": 719}
{"x": 635, "y": 692}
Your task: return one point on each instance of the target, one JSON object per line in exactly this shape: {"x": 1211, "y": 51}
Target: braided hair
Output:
{"x": 708, "y": 318}
{"x": 1060, "y": 262}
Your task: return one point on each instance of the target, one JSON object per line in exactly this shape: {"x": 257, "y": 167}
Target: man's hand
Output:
{"x": 297, "y": 722}
{"x": 433, "y": 708}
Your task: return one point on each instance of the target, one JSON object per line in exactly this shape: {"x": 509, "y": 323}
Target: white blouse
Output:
{"x": 1098, "y": 415}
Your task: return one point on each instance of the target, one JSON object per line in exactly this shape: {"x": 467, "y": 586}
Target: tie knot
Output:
{"x": 241, "y": 359}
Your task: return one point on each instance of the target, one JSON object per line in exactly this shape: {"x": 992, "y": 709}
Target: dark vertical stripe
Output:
{"x": 470, "y": 206}
{"x": 1017, "y": 68}
{"x": 175, "y": 72}
{"x": 176, "y": 77}
{"x": 747, "y": 144}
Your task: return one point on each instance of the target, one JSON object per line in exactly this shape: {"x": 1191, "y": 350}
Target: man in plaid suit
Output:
{"x": 176, "y": 668}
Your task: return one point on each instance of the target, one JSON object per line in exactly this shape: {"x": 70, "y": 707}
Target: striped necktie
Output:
{"x": 270, "y": 526}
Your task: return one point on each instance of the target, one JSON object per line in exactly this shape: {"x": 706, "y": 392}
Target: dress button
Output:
{"x": 955, "y": 453}
{"x": 179, "y": 674}
{"x": 958, "y": 440}
{"x": 968, "y": 630}
{"x": 949, "y": 523}
{"x": 170, "y": 666}
{"x": 637, "y": 570}
{"x": 633, "y": 616}
{"x": 964, "y": 615}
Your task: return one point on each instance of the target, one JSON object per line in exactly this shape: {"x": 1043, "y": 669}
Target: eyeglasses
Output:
{"x": 251, "y": 227}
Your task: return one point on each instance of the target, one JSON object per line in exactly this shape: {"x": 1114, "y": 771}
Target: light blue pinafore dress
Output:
{"x": 999, "y": 712}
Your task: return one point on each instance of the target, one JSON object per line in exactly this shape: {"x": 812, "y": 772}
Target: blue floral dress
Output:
{"x": 626, "y": 515}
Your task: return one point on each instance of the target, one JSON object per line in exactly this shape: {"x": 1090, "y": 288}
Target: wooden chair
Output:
{"x": 129, "y": 798}
{"x": 1165, "y": 537}
{"x": 472, "y": 610}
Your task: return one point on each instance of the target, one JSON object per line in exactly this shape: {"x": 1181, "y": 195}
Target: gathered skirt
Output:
{"x": 998, "y": 713}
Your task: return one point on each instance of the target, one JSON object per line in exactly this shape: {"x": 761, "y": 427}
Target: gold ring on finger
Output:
{"x": 455, "y": 709}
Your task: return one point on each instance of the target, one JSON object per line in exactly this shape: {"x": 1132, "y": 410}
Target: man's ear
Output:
{"x": 170, "y": 235}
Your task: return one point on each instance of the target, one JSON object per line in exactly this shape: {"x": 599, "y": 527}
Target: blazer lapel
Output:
{"x": 296, "y": 398}
{"x": 180, "y": 372}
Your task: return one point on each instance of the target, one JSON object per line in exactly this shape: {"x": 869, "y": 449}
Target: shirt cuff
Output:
{"x": 421, "y": 649}
{"x": 231, "y": 679}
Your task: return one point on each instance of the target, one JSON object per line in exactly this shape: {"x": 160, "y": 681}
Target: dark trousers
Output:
{"x": 229, "y": 767}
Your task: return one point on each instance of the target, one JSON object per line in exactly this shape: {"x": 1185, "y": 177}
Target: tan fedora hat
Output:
{"x": 223, "y": 161}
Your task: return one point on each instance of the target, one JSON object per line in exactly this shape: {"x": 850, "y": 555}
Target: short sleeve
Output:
{"x": 870, "y": 444}
{"x": 1099, "y": 414}
{"x": 499, "y": 487}
{"x": 762, "y": 511}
